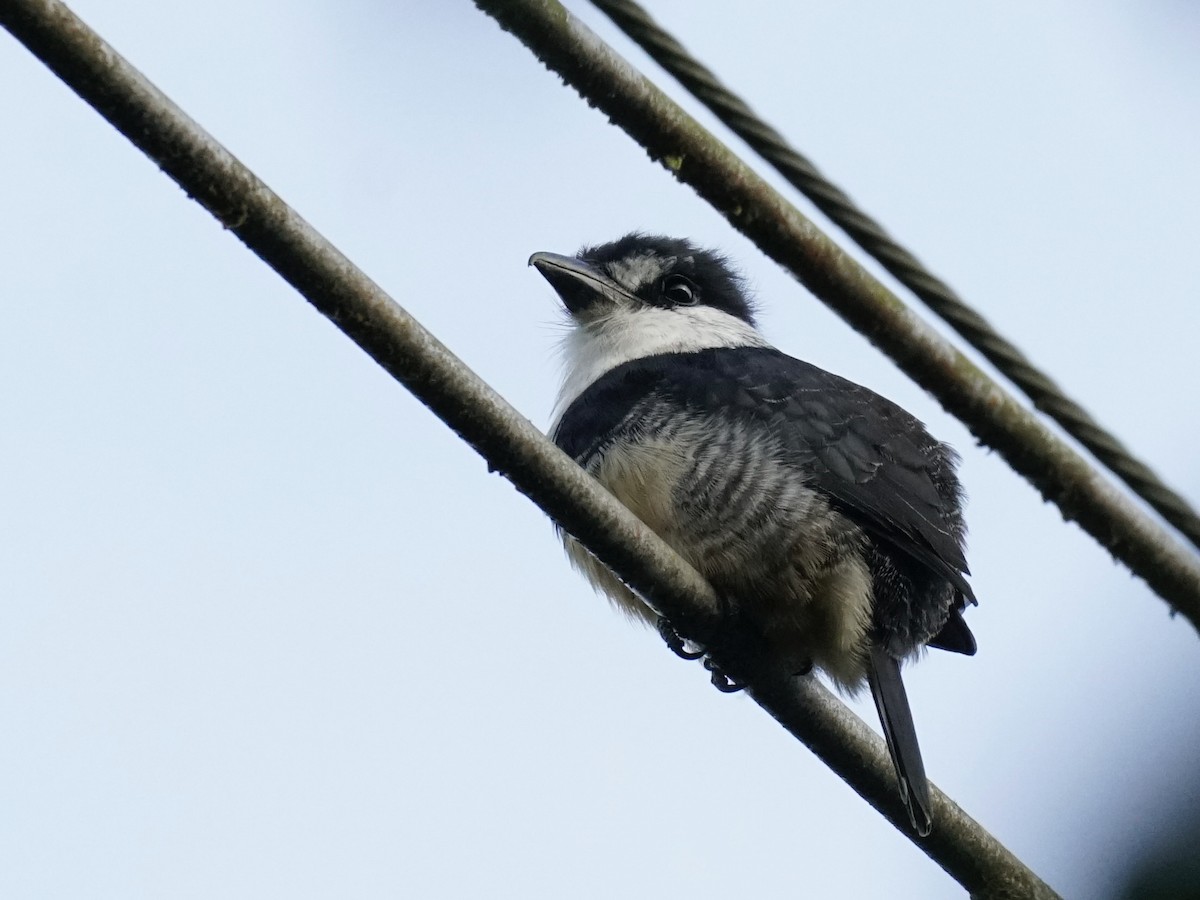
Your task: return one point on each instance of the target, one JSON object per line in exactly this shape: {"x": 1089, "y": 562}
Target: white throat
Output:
{"x": 592, "y": 349}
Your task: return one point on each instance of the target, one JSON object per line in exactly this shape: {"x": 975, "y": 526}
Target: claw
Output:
{"x": 678, "y": 645}
{"x": 721, "y": 681}
{"x": 673, "y": 640}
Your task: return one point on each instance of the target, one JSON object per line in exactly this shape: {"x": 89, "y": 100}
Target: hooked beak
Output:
{"x": 577, "y": 284}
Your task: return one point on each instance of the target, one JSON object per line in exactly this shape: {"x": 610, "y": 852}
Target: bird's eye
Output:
{"x": 680, "y": 291}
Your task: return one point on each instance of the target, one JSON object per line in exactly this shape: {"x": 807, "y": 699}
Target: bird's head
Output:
{"x": 644, "y": 296}
{"x": 644, "y": 273}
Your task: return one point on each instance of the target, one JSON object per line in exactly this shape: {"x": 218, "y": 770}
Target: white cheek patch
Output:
{"x": 633, "y": 272}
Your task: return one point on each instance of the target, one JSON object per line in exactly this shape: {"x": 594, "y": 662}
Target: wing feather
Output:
{"x": 877, "y": 462}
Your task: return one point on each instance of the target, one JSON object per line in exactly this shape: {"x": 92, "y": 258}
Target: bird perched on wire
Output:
{"x": 826, "y": 517}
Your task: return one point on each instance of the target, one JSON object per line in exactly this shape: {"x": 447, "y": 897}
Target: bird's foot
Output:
{"x": 675, "y": 641}
{"x": 721, "y": 681}
{"x": 679, "y": 647}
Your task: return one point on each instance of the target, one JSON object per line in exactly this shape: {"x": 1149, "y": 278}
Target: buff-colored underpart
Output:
{"x": 812, "y": 600}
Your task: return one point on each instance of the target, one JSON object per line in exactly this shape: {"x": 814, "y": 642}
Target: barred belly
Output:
{"x": 772, "y": 548}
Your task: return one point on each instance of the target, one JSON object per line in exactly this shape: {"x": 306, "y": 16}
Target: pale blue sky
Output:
{"x": 269, "y": 629}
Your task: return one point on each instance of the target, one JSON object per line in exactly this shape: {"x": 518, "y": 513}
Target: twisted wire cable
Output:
{"x": 1046, "y": 396}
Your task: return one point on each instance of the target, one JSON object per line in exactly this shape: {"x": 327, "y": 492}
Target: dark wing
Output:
{"x": 876, "y": 462}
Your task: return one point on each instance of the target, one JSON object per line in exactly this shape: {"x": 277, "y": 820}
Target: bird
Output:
{"x": 826, "y": 517}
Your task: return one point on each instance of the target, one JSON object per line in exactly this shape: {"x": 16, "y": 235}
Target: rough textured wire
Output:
{"x": 871, "y": 237}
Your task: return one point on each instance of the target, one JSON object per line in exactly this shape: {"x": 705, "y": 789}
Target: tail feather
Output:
{"x": 892, "y": 703}
{"x": 955, "y": 636}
